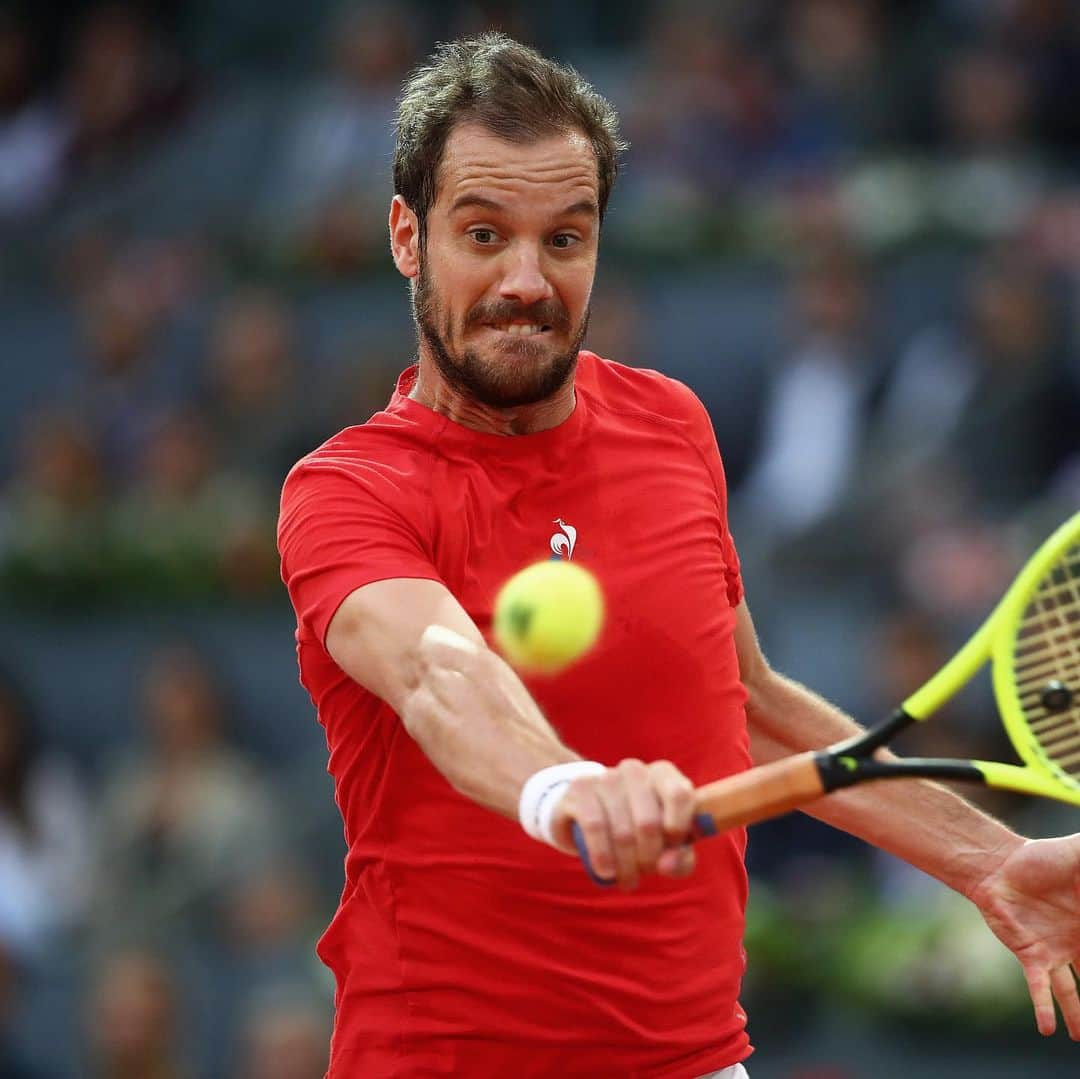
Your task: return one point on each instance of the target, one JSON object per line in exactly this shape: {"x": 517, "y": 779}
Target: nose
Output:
{"x": 524, "y": 279}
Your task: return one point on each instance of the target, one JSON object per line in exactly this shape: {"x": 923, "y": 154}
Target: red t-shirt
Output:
{"x": 461, "y": 946}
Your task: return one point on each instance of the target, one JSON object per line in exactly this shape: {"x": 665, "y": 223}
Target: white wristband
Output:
{"x": 543, "y": 791}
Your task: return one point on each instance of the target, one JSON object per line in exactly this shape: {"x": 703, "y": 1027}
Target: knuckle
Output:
{"x": 589, "y": 821}
{"x": 580, "y": 787}
{"x": 650, "y": 827}
{"x": 684, "y": 796}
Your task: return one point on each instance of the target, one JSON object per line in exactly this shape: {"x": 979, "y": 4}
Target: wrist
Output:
{"x": 980, "y": 880}
{"x": 543, "y": 791}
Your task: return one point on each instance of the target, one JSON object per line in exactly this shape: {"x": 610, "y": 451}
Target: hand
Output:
{"x": 1032, "y": 904}
{"x": 635, "y": 819}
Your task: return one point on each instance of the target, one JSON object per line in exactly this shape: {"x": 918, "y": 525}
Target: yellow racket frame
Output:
{"x": 996, "y": 640}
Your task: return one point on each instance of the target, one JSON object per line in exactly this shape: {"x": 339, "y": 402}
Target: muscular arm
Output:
{"x": 477, "y": 723}
{"x": 920, "y": 821}
{"x": 463, "y": 705}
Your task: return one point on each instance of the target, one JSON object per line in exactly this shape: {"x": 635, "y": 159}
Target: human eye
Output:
{"x": 483, "y": 237}
{"x": 564, "y": 240}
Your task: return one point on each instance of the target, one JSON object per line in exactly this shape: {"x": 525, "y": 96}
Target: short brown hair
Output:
{"x": 512, "y": 91}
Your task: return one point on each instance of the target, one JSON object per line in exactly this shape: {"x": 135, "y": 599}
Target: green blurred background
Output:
{"x": 851, "y": 226}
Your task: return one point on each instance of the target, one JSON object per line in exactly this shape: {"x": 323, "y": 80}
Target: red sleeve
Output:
{"x": 341, "y": 527}
{"x": 703, "y": 436}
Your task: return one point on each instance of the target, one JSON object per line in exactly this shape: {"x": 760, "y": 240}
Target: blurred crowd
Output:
{"x": 852, "y": 226}
{"x": 159, "y": 923}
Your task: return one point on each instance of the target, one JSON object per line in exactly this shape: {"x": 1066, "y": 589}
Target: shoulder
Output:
{"x": 644, "y": 396}
{"x": 385, "y": 454}
{"x": 650, "y": 394}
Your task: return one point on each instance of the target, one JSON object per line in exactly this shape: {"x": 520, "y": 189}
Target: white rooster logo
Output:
{"x": 562, "y": 543}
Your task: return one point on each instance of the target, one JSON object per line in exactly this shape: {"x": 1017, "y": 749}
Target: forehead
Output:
{"x": 560, "y": 168}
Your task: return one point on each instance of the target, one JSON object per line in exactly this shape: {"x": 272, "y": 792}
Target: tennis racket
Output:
{"x": 1032, "y": 640}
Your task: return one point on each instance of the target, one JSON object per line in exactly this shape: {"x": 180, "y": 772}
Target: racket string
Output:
{"x": 1046, "y": 651}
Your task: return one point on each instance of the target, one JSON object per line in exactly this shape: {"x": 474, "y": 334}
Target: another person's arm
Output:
{"x": 1028, "y": 891}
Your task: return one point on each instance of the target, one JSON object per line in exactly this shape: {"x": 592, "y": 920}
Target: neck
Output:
{"x": 433, "y": 390}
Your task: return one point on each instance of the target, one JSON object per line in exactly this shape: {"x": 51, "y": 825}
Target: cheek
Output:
{"x": 576, "y": 292}
{"x": 458, "y": 292}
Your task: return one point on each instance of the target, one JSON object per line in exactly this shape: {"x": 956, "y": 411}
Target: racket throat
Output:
{"x": 851, "y": 761}
{"x": 838, "y": 770}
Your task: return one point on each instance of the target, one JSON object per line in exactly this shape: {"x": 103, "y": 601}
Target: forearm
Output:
{"x": 477, "y": 723}
{"x": 410, "y": 642}
{"x": 922, "y": 822}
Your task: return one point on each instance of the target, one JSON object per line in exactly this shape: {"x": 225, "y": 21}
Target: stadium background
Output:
{"x": 852, "y": 227}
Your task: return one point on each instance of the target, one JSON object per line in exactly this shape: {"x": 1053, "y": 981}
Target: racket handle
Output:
{"x": 760, "y": 793}
{"x": 749, "y": 796}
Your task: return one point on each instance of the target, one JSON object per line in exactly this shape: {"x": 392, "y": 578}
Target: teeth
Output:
{"x": 521, "y": 330}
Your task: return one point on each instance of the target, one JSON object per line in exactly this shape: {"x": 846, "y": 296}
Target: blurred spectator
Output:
{"x": 123, "y": 85}
{"x": 1044, "y": 35}
{"x": 833, "y": 49}
{"x": 187, "y": 528}
{"x": 133, "y": 1019}
{"x": 326, "y": 203}
{"x": 816, "y": 414}
{"x": 285, "y": 1036}
{"x": 53, "y": 514}
{"x": 702, "y": 113}
{"x": 253, "y": 402}
{"x": 182, "y": 815}
{"x": 32, "y": 130}
{"x": 43, "y": 836}
{"x": 986, "y": 103}
{"x": 270, "y": 922}
{"x": 988, "y": 399}
{"x": 118, "y": 384}
{"x": 993, "y": 174}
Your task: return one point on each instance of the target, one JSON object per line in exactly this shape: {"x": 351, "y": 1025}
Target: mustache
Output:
{"x": 543, "y": 313}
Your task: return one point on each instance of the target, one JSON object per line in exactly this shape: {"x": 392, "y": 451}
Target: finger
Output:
{"x": 581, "y": 806}
{"x": 677, "y": 861}
{"x": 1063, "y": 984}
{"x": 677, "y": 799}
{"x": 646, "y": 811}
{"x": 1042, "y": 999}
{"x": 612, "y": 794}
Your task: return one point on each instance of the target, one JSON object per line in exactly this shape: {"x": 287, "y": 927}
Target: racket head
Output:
{"x": 1036, "y": 662}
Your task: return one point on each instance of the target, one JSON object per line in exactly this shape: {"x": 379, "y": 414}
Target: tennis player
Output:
{"x": 467, "y": 941}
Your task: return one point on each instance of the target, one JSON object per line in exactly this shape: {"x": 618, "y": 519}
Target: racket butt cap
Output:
{"x": 704, "y": 825}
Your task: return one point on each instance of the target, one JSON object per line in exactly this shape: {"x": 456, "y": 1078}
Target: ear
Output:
{"x": 404, "y": 238}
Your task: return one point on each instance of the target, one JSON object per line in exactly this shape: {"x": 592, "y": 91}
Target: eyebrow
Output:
{"x": 582, "y": 206}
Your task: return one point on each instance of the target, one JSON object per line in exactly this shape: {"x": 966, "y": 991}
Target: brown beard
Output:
{"x": 533, "y": 376}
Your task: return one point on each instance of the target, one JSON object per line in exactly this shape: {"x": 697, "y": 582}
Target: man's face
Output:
{"x": 502, "y": 296}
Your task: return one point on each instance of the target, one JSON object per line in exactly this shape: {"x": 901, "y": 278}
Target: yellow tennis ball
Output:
{"x": 548, "y": 615}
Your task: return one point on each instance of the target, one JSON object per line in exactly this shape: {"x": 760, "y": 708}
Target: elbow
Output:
{"x": 438, "y": 682}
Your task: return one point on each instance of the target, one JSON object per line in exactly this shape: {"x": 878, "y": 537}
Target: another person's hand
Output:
{"x": 1032, "y": 904}
{"x": 635, "y": 818}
